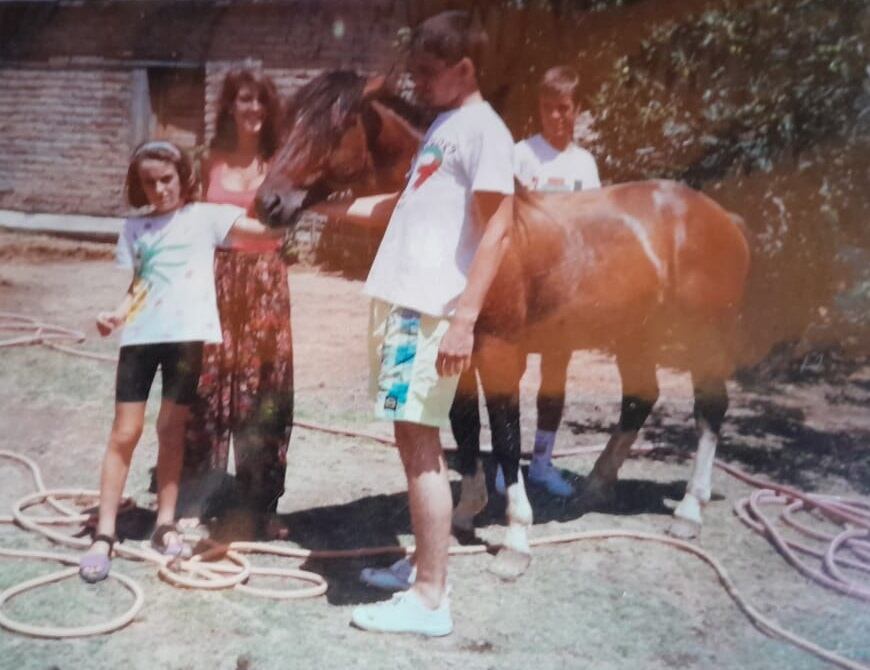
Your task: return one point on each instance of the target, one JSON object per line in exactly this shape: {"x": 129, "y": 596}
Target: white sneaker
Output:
{"x": 499, "y": 481}
{"x": 398, "y": 577}
{"x": 551, "y": 479}
{"x": 405, "y": 613}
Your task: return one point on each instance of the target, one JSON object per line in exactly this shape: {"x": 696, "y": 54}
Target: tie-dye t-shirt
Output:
{"x": 432, "y": 237}
{"x": 172, "y": 257}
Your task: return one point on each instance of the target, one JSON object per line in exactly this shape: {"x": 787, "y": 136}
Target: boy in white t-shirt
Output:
{"x": 439, "y": 255}
{"x": 552, "y": 161}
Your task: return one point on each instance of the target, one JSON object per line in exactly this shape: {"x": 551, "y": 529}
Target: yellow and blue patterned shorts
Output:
{"x": 403, "y": 346}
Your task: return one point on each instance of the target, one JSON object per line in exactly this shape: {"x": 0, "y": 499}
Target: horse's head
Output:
{"x": 338, "y": 139}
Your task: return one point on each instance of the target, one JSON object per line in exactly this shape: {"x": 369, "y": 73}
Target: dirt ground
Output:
{"x": 600, "y": 605}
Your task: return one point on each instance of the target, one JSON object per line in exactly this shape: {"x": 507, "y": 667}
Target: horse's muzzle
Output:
{"x": 279, "y": 211}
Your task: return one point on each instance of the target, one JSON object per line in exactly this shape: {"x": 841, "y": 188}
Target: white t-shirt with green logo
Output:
{"x": 539, "y": 166}
{"x": 423, "y": 260}
{"x": 172, "y": 257}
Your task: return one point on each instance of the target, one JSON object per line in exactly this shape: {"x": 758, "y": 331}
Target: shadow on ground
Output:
{"x": 774, "y": 440}
{"x": 381, "y": 520}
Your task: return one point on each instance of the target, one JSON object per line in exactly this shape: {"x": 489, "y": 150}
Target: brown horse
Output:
{"x": 653, "y": 272}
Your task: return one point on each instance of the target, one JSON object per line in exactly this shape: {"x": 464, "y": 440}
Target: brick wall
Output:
{"x": 64, "y": 139}
{"x": 68, "y": 77}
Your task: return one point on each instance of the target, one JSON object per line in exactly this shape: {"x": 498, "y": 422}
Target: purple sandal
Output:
{"x": 95, "y": 568}
{"x": 174, "y": 549}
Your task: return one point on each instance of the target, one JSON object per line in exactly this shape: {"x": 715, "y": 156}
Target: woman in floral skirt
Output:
{"x": 246, "y": 386}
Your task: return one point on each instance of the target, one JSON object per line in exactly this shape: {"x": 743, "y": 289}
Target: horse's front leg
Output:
{"x": 711, "y": 402}
{"x": 465, "y": 423}
{"x": 501, "y": 366}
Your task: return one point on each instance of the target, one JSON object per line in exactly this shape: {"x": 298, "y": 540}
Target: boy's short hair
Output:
{"x": 163, "y": 151}
{"x": 451, "y": 36}
{"x": 560, "y": 80}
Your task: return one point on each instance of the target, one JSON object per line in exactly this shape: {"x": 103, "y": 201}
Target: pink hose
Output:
{"x": 851, "y": 516}
{"x": 46, "y": 334}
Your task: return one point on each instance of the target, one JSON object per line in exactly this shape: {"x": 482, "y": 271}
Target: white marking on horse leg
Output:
{"x": 472, "y": 499}
{"x": 701, "y": 481}
{"x": 515, "y": 555}
{"x": 519, "y": 517}
{"x": 687, "y": 519}
{"x": 699, "y": 487}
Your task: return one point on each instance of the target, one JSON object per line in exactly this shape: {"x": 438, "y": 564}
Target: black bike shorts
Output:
{"x": 180, "y": 364}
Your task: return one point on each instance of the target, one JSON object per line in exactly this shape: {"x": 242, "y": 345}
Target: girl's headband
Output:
{"x": 158, "y": 145}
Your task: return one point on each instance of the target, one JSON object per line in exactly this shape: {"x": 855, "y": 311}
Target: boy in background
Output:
{"x": 552, "y": 161}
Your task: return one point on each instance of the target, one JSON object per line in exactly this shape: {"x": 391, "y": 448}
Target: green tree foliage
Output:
{"x": 736, "y": 86}
{"x": 765, "y": 105}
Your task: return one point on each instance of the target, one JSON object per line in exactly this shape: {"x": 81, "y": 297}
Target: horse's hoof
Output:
{"x": 510, "y": 564}
{"x": 684, "y": 529}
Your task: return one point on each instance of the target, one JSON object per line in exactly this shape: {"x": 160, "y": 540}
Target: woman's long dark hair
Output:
{"x": 225, "y": 137}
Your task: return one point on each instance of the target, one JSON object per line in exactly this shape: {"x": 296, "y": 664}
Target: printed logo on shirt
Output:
{"x": 430, "y": 160}
{"x": 152, "y": 265}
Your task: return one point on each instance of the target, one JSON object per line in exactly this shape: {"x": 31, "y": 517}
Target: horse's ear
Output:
{"x": 374, "y": 86}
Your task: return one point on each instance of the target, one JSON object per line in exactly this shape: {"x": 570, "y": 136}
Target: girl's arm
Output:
{"x": 246, "y": 229}
{"x": 372, "y": 211}
{"x": 109, "y": 321}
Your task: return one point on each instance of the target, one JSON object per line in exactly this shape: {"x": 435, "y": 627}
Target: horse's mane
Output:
{"x": 323, "y": 109}
{"x": 418, "y": 117}
{"x": 319, "y": 110}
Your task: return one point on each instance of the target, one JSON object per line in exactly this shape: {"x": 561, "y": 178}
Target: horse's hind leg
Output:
{"x": 639, "y": 393}
{"x": 465, "y": 422}
{"x": 501, "y": 365}
{"x": 711, "y": 402}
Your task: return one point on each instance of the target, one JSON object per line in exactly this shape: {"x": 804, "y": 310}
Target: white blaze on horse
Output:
{"x": 653, "y": 272}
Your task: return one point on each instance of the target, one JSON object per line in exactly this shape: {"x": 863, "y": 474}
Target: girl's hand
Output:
{"x": 108, "y": 321}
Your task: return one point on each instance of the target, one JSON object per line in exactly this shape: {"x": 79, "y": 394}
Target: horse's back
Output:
{"x": 634, "y": 260}
{"x": 699, "y": 249}
{"x": 708, "y": 263}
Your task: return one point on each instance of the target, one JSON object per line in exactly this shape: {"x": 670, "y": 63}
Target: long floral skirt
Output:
{"x": 246, "y": 386}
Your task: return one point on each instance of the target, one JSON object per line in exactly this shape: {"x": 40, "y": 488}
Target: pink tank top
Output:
{"x": 217, "y": 193}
